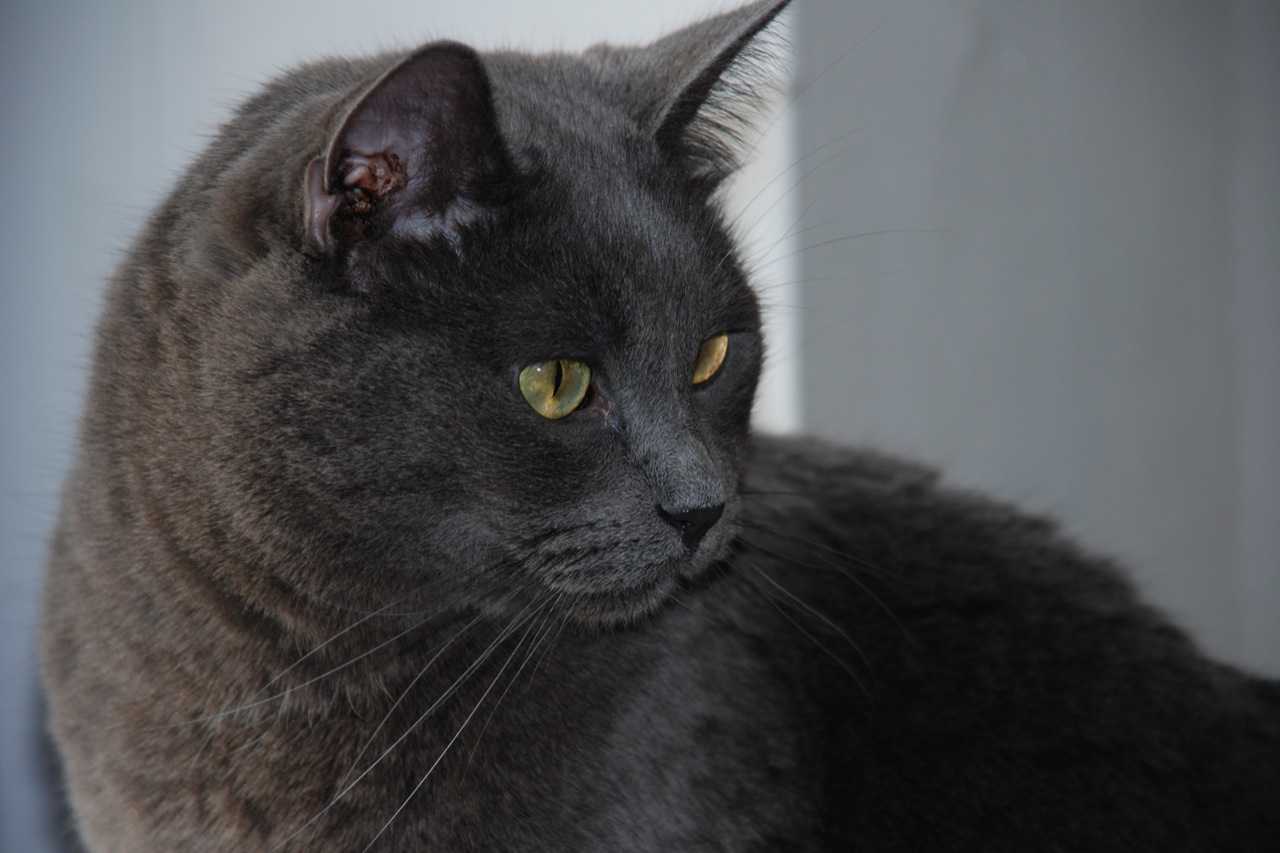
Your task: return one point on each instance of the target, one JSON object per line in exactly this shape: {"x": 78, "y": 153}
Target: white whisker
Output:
{"x": 843, "y": 664}
{"x": 516, "y": 622}
{"x": 456, "y": 734}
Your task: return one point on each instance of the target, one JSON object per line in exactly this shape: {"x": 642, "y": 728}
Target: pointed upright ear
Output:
{"x": 418, "y": 154}
{"x": 715, "y": 76}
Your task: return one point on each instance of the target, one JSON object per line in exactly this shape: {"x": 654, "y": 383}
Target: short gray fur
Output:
{"x": 325, "y": 578}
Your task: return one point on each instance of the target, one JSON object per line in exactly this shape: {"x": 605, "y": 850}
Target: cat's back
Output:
{"x": 981, "y": 670}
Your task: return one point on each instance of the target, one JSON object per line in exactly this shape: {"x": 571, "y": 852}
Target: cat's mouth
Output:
{"x": 606, "y": 570}
{"x": 625, "y": 585}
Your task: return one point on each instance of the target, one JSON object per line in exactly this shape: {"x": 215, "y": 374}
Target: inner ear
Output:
{"x": 419, "y": 154}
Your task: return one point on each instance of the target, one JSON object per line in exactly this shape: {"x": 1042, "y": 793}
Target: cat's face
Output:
{"x": 509, "y": 355}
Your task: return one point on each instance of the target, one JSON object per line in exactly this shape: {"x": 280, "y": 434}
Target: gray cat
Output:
{"x": 416, "y": 509}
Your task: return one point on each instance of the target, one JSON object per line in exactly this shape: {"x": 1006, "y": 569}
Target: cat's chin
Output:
{"x": 626, "y": 606}
{"x": 620, "y": 609}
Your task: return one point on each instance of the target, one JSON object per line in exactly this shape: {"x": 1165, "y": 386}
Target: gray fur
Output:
{"x": 322, "y": 580}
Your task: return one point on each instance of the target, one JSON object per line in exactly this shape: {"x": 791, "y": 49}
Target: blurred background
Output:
{"x": 1033, "y": 242}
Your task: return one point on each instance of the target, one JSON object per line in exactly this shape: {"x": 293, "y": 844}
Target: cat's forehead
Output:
{"x": 584, "y": 277}
{"x": 537, "y": 94}
{"x": 567, "y": 116}
{"x": 607, "y": 219}
{"x": 604, "y": 239}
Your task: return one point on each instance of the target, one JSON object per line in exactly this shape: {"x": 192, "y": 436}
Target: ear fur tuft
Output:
{"x": 700, "y": 91}
{"x": 729, "y": 72}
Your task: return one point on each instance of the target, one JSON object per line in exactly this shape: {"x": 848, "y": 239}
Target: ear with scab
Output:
{"x": 702, "y": 88}
{"x": 418, "y": 155}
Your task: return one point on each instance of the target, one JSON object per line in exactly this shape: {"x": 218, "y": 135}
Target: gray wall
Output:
{"x": 1046, "y": 260}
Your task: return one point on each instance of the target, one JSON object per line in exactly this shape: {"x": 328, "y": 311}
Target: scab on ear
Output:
{"x": 419, "y": 154}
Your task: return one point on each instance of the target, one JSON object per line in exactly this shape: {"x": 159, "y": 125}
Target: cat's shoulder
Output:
{"x": 863, "y": 498}
{"x": 974, "y": 642}
{"x": 911, "y": 566}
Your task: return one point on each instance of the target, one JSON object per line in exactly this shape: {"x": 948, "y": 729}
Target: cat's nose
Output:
{"x": 693, "y": 524}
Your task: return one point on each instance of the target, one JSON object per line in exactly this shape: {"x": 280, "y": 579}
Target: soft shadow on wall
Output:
{"x": 1044, "y": 258}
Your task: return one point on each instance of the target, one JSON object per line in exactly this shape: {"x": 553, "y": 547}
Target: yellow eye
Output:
{"x": 555, "y": 388}
{"x": 710, "y": 357}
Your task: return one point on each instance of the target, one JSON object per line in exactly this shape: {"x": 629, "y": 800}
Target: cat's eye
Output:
{"x": 710, "y": 357}
{"x": 556, "y": 388}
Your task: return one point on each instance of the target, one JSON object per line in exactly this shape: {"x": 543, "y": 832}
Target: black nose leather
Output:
{"x": 693, "y": 524}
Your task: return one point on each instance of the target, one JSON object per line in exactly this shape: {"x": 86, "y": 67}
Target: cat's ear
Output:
{"x": 418, "y": 154}
{"x": 715, "y": 77}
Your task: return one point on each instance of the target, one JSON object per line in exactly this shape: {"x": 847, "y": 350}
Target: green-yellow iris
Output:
{"x": 555, "y": 388}
{"x": 710, "y": 357}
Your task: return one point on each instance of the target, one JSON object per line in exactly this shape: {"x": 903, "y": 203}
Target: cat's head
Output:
{"x": 462, "y": 328}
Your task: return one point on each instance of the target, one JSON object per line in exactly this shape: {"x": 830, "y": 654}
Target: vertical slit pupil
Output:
{"x": 555, "y": 386}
